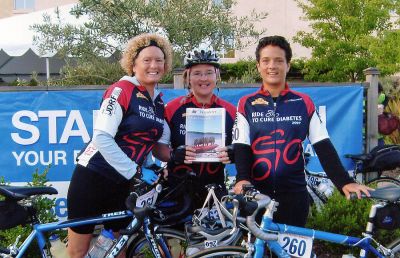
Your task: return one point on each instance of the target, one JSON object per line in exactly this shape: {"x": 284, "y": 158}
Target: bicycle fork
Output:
{"x": 155, "y": 240}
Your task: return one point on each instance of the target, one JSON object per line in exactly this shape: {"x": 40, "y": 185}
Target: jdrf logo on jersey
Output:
{"x": 109, "y": 110}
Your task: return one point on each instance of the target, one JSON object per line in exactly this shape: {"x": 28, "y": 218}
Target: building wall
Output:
{"x": 284, "y": 18}
{"x": 7, "y": 6}
{"x": 45, "y": 4}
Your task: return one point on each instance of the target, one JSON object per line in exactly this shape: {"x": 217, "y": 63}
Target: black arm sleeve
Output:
{"x": 331, "y": 163}
{"x": 243, "y": 161}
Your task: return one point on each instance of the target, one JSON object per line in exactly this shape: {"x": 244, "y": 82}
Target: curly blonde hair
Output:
{"x": 137, "y": 43}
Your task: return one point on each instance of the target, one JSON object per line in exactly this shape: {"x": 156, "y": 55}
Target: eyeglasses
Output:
{"x": 198, "y": 75}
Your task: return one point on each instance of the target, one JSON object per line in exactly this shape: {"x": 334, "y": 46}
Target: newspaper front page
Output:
{"x": 205, "y": 131}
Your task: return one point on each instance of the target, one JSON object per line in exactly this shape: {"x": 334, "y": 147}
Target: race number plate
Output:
{"x": 295, "y": 245}
{"x": 210, "y": 244}
{"x": 148, "y": 198}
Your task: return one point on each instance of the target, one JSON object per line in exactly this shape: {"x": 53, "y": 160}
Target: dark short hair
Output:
{"x": 278, "y": 41}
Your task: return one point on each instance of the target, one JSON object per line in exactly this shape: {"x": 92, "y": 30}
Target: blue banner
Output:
{"x": 42, "y": 128}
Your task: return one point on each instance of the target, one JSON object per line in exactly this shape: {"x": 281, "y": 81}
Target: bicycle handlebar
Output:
{"x": 262, "y": 202}
{"x": 139, "y": 212}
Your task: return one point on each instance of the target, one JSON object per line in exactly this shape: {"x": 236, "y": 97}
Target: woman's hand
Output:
{"x": 238, "y": 188}
{"x": 356, "y": 188}
{"x": 225, "y": 154}
{"x": 183, "y": 154}
{"x": 149, "y": 176}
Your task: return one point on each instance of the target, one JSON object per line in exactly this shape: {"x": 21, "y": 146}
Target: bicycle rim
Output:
{"x": 383, "y": 181}
{"x": 395, "y": 247}
{"x": 175, "y": 240}
{"x": 222, "y": 251}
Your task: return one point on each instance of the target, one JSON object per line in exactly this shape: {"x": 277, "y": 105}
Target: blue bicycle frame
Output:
{"x": 39, "y": 229}
{"x": 268, "y": 225}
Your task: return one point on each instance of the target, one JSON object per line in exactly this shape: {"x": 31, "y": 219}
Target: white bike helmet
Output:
{"x": 201, "y": 56}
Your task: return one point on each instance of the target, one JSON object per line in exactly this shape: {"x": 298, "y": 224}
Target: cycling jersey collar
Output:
{"x": 282, "y": 93}
{"x": 201, "y": 105}
{"x": 135, "y": 81}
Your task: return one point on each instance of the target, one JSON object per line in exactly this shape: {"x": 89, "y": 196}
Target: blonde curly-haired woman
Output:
{"x": 129, "y": 123}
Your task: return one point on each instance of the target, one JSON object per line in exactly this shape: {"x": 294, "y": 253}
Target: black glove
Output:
{"x": 231, "y": 154}
{"x": 178, "y": 155}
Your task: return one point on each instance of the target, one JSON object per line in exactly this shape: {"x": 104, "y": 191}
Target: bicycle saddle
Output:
{"x": 389, "y": 193}
{"x": 21, "y": 192}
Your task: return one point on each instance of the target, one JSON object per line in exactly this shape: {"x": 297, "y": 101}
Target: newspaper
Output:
{"x": 205, "y": 131}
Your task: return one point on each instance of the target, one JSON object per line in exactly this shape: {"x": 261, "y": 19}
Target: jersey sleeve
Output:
{"x": 110, "y": 115}
{"x": 241, "y": 128}
{"x": 317, "y": 129}
{"x": 113, "y": 154}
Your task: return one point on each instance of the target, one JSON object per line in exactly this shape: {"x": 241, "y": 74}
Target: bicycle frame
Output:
{"x": 39, "y": 229}
{"x": 268, "y": 225}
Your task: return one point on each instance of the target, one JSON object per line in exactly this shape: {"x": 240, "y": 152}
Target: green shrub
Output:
{"x": 345, "y": 217}
{"x": 97, "y": 71}
{"x": 243, "y": 71}
{"x": 296, "y": 70}
{"x": 45, "y": 214}
{"x": 167, "y": 78}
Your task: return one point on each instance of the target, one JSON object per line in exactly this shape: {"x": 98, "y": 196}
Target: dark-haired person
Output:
{"x": 129, "y": 123}
{"x": 271, "y": 125}
{"x": 201, "y": 76}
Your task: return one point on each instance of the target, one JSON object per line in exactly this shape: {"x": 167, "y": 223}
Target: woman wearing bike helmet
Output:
{"x": 129, "y": 123}
{"x": 201, "y": 75}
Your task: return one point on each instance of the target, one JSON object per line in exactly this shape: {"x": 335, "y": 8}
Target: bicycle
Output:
{"x": 320, "y": 187}
{"x": 286, "y": 241}
{"x": 157, "y": 238}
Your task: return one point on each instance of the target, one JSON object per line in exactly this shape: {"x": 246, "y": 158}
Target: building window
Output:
{"x": 24, "y": 4}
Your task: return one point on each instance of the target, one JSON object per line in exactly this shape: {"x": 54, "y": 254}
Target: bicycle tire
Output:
{"x": 221, "y": 251}
{"x": 139, "y": 246}
{"x": 383, "y": 181}
{"x": 395, "y": 247}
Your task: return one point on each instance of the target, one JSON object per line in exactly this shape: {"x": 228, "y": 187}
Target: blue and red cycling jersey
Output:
{"x": 175, "y": 115}
{"x": 275, "y": 131}
{"x": 136, "y": 122}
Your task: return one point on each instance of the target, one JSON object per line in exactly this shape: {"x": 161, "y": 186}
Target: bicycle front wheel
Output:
{"x": 383, "y": 181}
{"x": 174, "y": 239}
{"x": 221, "y": 251}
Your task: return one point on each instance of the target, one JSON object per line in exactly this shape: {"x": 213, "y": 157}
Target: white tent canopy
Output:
{"x": 16, "y": 36}
{"x": 19, "y": 58}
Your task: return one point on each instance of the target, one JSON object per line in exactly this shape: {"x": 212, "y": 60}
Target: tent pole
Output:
{"x": 47, "y": 69}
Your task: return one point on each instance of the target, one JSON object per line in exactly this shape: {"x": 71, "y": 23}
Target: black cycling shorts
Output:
{"x": 292, "y": 210}
{"x": 91, "y": 194}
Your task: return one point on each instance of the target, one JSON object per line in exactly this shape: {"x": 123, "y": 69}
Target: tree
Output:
{"x": 387, "y": 52}
{"x": 345, "y": 37}
{"x": 111, "y": 23}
